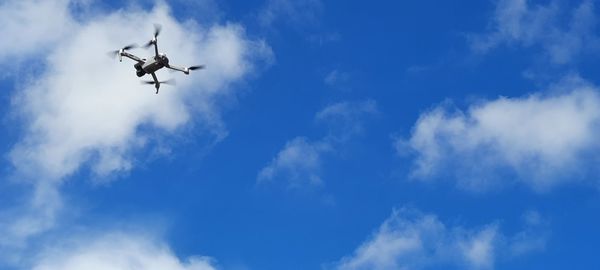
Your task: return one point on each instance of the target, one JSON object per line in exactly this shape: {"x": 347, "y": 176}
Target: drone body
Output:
{"x": 150, "y": 66}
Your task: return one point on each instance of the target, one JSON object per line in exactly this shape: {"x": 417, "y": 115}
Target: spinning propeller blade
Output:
{"x": 196, "y": 67}
{"x": 115, "y": 53}
{"x": 188, "y": 69}
{"x": 130, "y": 46}
{"x": 157, "y": 29}
{"x": 169, "y": 82}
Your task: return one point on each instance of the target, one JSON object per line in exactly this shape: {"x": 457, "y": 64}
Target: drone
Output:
{"x": 150, "y": 66}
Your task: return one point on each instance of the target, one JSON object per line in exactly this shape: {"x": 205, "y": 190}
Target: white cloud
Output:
{"x": 85, "y": 110}
{"x": 346, "y": 119}
{"x": 19, "y": 223}
{"x": 27, "y": 27}
{"x": 337, "y": 78}
{"x": 116, "y": 251}
{"x": 300, "y": 160}
{"x": 409, "y": 239}
{"x": 86, "y": 107}
{"x": 544, "y": 139}
{"x": 520, "y": 23}
{"x": 478, "y": 251}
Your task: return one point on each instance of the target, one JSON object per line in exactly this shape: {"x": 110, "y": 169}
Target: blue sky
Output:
{"x": 322, "y": 135}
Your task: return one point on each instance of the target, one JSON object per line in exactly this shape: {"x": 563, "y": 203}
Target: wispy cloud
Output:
{"x": 300, "y": 160}
{"x": 517, "y": 22}
{"x": 300, "y": 12}
{"x": 337, "y": 78}
{"x": 117, "y": 251}
{"x": 347, "y": 119}
{"x": 543, "y": 139}
{"x": 19, "y": 223}
{"x": 409, "y": 239}
{"x": 29, "y": 28}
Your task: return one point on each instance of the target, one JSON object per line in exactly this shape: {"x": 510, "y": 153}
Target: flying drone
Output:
{"x": 150, "y": 66}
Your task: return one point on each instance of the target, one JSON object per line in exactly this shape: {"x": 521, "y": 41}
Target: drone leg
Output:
{"x": 156, "y": 82}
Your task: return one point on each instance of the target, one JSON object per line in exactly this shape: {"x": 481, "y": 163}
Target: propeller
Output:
{"x": 129, "y": 47}
{"x": 117, "y": 52}
{"x": 147, "y": 45}
{"x": 188, "y": 69}
{"x": 157, "y": 29}
{"x": 196, "y": 67}
{"x": 169, "y": 82}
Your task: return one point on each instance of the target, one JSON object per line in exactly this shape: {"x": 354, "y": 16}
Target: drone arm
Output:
{"x": 155, "y": 47}
{"x": 184, "y": 70}
{"x": 130, "y": 56}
